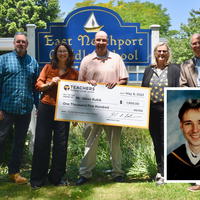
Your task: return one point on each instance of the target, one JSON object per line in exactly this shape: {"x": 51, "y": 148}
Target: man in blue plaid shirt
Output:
{"x": 18, "y": 74}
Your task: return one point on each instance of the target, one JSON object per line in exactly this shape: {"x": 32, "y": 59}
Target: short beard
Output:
{"x": 20, "y": 51}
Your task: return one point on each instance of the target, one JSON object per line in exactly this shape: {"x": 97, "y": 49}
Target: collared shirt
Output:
{"x": 197, "y": 65}
{"x": 194, "y": 158}
{"x": 102, "y": 70}
{"x": 46, "y": 75}
{"x": 17, "y": 80}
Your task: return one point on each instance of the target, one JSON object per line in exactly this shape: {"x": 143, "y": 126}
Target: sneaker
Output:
{"x": 159, "y": 179}
{"x": 17, "y": 178}
{"x": 62, "y": 183}
{"x": 82, "y": 180}
{"x": 35, "y": 187}
{"x": 118, "y": 179}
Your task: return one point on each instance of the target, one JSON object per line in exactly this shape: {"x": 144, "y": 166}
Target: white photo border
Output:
{"x": 165, "y": 129}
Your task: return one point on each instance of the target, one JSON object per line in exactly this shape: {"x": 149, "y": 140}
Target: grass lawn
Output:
{"x": 99, "y": 189}
{"x": 138, "y": 164}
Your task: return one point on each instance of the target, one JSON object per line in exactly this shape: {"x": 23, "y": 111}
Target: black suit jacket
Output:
{"x": 173, "y": 75}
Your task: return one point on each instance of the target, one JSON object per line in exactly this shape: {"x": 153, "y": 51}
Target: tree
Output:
{"x": 179, "y": 41}
{"x": 144, "y": 13}
{"x": 15, "y": 14}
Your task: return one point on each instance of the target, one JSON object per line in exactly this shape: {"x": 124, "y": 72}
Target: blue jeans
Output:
{"x": 21, "y": 124}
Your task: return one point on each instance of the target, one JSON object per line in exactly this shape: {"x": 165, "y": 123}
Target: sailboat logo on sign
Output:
{"x": 92, "y": 25}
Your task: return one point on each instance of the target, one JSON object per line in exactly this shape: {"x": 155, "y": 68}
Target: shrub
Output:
{"x": 138, "y": 158}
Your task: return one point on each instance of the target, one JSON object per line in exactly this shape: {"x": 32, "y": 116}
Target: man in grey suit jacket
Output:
{"x": 190, "y": 76}
{"x": 190, "y": 69}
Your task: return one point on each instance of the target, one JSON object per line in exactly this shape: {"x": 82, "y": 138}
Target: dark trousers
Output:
{"x": 21, "y": 124}
{"x": 46, "y": 130}
{"x": 156, "y": 127}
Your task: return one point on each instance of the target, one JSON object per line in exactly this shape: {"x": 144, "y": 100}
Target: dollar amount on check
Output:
{"x": 120, "y": 106}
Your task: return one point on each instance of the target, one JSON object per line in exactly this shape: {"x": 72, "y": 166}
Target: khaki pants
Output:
{"x": 89, "y": 160}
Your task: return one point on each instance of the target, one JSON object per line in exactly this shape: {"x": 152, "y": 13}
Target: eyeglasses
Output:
{"x": 160, "y": 51}
{"x": 20, "y": 41}
{"x": 196, "y": 43}
{"x": 62, "y": 52}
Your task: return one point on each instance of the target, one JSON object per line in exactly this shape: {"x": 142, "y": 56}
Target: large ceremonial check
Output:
{"x": 119, "y": 106}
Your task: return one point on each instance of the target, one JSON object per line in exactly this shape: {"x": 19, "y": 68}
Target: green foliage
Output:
{"x": 85, "y": 3}
{"x": 181, "y": 49}
{"x": 146, "y": 13}
{"x": 193, "y": 25}
{"x": 137, "y": 153}
{"x": 15, "y": 14}
{"x": 179, "y": 41}
{"x": 76, "y": 146}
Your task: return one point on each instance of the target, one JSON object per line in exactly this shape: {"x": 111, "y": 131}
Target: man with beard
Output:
{"x": 102, "y": 66}
{"x": 18, "y": 73}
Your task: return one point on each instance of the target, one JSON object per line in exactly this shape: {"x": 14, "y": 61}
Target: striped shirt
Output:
{"x": 17, "y": 79}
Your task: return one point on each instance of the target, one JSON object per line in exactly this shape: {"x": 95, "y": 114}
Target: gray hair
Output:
{"x": 20, "y": 33}
{"x": 168, "y": 49}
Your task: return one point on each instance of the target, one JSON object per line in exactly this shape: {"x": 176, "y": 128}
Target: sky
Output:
{"x": 178, "y": 10}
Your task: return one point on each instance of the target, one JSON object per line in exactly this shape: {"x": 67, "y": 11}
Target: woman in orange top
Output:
{"x": 46, "y": 128}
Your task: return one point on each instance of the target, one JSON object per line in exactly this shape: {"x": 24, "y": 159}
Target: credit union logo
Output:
{"x": 66, "y": 87}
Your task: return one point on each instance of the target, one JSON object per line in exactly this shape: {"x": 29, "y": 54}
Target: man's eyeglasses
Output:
{"x": 20, "y": 41}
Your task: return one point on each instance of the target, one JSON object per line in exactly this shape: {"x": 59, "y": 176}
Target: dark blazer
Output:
{"x": 179, "y": 166}
{"x": 173, "y": 75}
{"x": 188, "y": 75}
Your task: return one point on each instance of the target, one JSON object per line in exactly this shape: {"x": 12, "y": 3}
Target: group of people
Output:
{"x": 187, "y": 156}
{"x": 164, "y": 74}
{"x": 20, "y": 86}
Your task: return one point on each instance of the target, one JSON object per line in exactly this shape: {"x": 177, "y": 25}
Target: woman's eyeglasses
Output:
{"x": 62, "y": 52}
{"x": 160, "y": 51}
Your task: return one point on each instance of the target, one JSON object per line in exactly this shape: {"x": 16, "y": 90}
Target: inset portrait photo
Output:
{"x": 182, "y": 134}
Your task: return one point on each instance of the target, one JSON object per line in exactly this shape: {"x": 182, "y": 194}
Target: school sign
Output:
{"x": 79, "y": 28}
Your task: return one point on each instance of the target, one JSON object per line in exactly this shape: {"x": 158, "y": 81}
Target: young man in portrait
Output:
{"x": 184, "y": 162}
